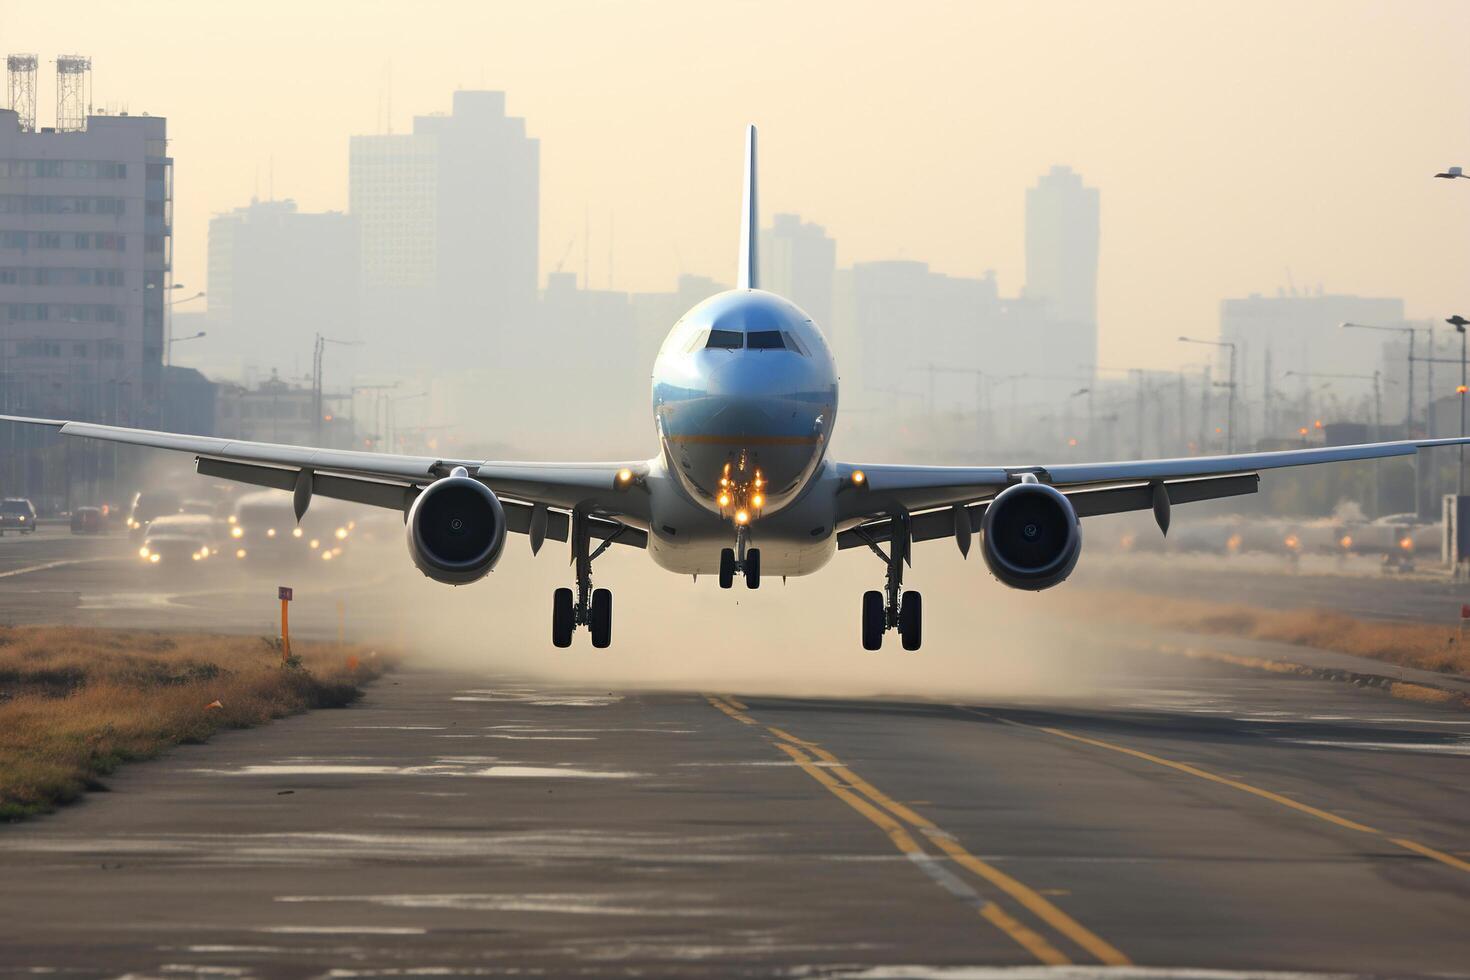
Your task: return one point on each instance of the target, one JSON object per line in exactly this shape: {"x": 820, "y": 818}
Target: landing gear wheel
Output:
{"x": 873, "y": 620}
{"x": 911, "y": 620}
{"x": 727, "y": 568}
{"x": 753, "y": 568}
{"x": 562, "y": 619}
{"x": 600, "y": 620}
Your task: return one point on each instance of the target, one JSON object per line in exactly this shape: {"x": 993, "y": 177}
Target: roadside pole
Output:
{"x": 283, "y": 592}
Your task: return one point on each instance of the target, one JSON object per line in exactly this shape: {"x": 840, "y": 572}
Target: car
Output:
{"x": 17, "y": 514}
{"x": 87, "y": 520}
{"x": 179, "y": 540}
{"x": 147, "y": 505}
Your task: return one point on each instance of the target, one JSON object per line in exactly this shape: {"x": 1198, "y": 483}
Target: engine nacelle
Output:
{"x": 1030, "y": 536}
{"x": 456, "y": 529}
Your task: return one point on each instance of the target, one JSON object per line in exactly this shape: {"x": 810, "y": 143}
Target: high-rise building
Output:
{"x": 798, "y": 261}
{"x": 86, "y": 247}
{"x": 448, "y": 217}
{"x": 1062, "y": 231}
{"x": 278, "y": 277}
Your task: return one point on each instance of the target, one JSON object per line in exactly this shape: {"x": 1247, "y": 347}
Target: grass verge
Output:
{"x": 76, "y": 703}
{"x": 1427, "y": 646}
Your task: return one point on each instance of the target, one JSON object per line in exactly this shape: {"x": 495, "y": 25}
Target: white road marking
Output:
{"x": 50, "y": 564}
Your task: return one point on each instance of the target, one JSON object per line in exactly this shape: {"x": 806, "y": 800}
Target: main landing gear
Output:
{"x": 892, "y": 608}
{"x": 740, "y": 559}
{"x": 588, "y": 607}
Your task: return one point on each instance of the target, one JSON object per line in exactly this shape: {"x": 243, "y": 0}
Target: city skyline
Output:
{"x": 1202, "y": 203}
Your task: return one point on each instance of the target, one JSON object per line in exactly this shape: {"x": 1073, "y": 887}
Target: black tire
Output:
{"x": 727, "y": 568}
{"x": 873, "y": 616}
{"x": 911, "y": 620}
{"x": 562, "y": 618}
{"x": 753, "y": 568}
{"x": 601, "y": 618}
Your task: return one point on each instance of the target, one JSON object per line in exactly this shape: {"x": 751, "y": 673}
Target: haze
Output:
{"x": 1235, "y": 146}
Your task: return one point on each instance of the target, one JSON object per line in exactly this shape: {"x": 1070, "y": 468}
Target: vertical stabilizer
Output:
{"x": 749, "y": 274}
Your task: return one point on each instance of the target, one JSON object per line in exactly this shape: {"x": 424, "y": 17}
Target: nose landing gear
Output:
{"x": 589, "y": 607}
{"x": 892, "y": 608}
{"x": 740, "y": 559}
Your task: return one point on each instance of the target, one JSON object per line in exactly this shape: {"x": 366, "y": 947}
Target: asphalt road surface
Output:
{"x": 1184, "y": 816}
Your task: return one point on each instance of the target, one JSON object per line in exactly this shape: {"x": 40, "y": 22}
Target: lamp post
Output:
{"x": 1377, "y": 378}
{"x": 1459, "y": 323}
{"x": 168, "y": 347}
{"x": 1230, "y": 411}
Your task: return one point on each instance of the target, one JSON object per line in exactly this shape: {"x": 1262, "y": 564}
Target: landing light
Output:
{"x": 757, "y": 501}
{"x": 341, "y": 533}
{"x": 742, "y": 516}
{"x": 724, "y": 500}
{"x": 296, "y": 532}
{"x": 625, "y": 475}
{"x": 270, "y": 532}
{"x": 239, "y": 552}
{"x": 859, "y": 477}
{"x": 237, "y": 531}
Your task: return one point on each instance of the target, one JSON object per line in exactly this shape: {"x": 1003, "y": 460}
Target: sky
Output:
{"x": 1238, "y": 147}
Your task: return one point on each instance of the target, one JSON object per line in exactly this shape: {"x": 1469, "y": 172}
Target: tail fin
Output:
{"x": 749, "y": 273}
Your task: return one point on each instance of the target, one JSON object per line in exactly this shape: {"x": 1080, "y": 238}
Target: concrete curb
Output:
{"x": 1405, "y": 690}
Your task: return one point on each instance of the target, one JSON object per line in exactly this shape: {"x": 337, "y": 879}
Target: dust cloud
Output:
{"x": 795, "y": 638}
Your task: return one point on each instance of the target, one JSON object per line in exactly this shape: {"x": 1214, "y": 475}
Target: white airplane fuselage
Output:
{"x": 744, "y": 400}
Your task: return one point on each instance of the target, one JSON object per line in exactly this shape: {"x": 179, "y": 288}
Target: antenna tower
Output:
{"x": 22, "y": 72}
{"x": 73, "y": 73}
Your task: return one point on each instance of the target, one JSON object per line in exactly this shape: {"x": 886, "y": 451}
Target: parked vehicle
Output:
{"x": 87, "y": 520}
{"x": 17, "y": 514}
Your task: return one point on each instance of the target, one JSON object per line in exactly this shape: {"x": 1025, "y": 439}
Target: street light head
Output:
{"x": 1451, "y": 173}
{"x": 1458, "y": 322}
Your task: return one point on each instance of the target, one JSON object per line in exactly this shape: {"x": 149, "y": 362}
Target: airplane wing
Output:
{"x": 610, "y": 492}
{"x": 933, "y": 495}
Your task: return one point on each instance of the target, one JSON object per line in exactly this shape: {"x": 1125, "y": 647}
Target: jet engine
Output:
{"x": 456, "y": 529}
{"x": 1030, "y": 536}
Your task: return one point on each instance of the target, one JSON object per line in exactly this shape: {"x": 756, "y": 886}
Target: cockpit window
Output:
{"x": 765, "y": 340}
{"x": 726, "y": 339}
{"x": 793, "y": 344}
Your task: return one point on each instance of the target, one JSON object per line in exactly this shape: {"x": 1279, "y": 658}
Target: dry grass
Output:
{"x": 1423, "y": 645}
{"x": 76, "y": 703}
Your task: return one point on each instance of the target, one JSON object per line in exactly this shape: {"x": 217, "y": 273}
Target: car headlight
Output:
{"x": 237, "y": 531}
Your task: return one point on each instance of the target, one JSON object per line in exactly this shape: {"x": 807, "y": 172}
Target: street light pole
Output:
{"x": 1459, "y": 323}
{"x": 1230, "y": 410}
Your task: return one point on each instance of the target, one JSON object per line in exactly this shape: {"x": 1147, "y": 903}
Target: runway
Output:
{"x": 1183, "y": 817}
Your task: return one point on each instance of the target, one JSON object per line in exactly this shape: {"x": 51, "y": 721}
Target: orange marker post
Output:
{"x": 284, "y": 593}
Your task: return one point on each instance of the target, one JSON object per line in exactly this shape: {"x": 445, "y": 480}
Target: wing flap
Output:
{"x": 399, "y": 496}
{"x": 1089, "y": 502}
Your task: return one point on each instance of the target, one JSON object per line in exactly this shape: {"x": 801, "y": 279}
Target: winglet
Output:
{"x": 749, "y": 273}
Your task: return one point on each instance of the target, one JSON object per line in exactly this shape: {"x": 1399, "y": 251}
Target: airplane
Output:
{"x": 744, "y": 403}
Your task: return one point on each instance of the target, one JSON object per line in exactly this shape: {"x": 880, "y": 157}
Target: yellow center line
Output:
{"x": 1021, "y": 893}
{"x": 1430, "y": 852}
{"x": 1448, "y": 860}
{"x": 1026, "y": 938}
